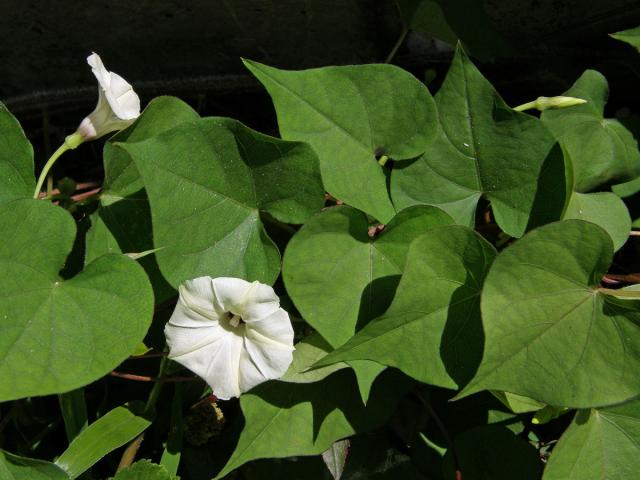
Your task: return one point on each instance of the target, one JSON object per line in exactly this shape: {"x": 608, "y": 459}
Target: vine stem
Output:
{"x": 445, "y": 433}
{"x": 157, "y": 387}
{"x": 145, "y": 378}
{"x": 395, "y": 48}
{"x": 47, "y": 166}
{"x": 71, "y": 142}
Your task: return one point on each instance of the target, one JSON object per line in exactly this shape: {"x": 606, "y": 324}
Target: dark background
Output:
{"x": 192, "y": 49}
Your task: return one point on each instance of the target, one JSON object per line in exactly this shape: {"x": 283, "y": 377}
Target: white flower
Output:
{"x": 230, "y": 332}
{"x": 118, "y": 105}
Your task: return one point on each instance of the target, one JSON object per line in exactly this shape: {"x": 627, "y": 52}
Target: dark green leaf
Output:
{"x": 351, "y": 115}
{"x": 207, "y": 185}
{"x": 285, "y": 419}
{"x": 339, "y": 277}
{"x": 432, "y": 330}
{"x": 57, "y": 334}
{"x": 550, "y": 333}
{"x": 483, "y": 148}
{"x": 602, "y": 444}
{"x": 123, "y": 221}
{"x": 602, "y": 150}
{"x": 16, "y": 160}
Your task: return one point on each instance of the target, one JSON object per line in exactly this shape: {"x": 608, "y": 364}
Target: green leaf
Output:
{"x": 631, "y": 36}
{"x": 450, "y": 20}
{"x": 602, "y": 444}
{"x": 207, "y": 184}
{"x": 58, "y": 335}
{"x": 432, "y": 330}
{"x": 144, "y": 470}
{"x": 339, "y": 278}
{"x": 518, "y": 403}
{"x": 549, "y": 333}
{"x": 123, "y": 221}
{"x": 493, "y": 453}
{"x": 350, "y": 115}
{"x": 285, "y": 419}
{"x": 13, "y": 467}
{"x": 109, "y": 432}
{"x": 482, "y": 148}
{"x": 308, "y": 351}
{"x": 606, "y": 210}
{"x": 602, "y": 150}
{"x": 16, "y": 160}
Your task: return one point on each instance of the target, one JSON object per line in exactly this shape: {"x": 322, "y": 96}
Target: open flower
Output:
{"x": 118, "y": 105}
{"x": 230, "y": 332}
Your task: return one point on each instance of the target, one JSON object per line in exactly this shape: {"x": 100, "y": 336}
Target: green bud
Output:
{"x": 544, "y": 103}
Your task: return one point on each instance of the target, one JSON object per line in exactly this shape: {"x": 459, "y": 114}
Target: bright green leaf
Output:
{"x": 602, "y": 150}
{"x": 432, "y": 330}
{"x": 602, "y": 444}
{"x": 58, "y": 334}
{"x": 631, "y": 36}
{"x": 109, "y": 432}
{"x": 549, "y": 333}
{"x": 207, "y": 183}
{"x": 13, "y": 467}
{"x": 340, "y": 278}
{"x": 16, "y": 160}
{"x": 144, "y": 470}
{"x": 483, "y": 148}
{"x": 606, "y": 210}
{"x": 285, "y": 419}
{"x": 351, "y": 115}
{"x": 518, "y": 403}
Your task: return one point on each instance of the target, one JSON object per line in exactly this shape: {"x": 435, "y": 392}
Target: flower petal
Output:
{"x": 269, "y": 343}
{"x": 252, "y": 301}
{"x": 183, "y": 341}
{"x": 99, "y": 70}
{"x": 123, "y": 100}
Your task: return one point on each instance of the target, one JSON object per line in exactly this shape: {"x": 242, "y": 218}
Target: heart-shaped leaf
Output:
{"x": 339, "y": 277}
{"x": 351, "y": 115}
{"x": 602, "y": 444}
{"x": 432, "y": 330}
{"x": 123, "y": 221}
{"x": 287, "y": 419}
{"x": 207, "y": 182}
{"x": 483, "y": 148}
{"x": 602, "y": 149}
{"x": 58, "y": 334}
{"x": 16, "y": 160}
{"x": 550, "y": 333}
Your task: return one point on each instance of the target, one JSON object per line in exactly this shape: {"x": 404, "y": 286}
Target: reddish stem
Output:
{"x": 145, "y": 378}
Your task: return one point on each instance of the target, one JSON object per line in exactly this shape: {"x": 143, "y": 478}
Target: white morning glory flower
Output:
{"x": 230, "y": 332}
{"x": 118, "y": 105}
